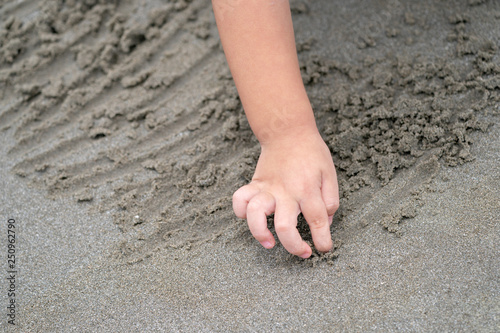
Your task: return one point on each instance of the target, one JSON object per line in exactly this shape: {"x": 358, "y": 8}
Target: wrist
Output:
{"x": 283, "y": 123}
{"x": 288, "y": 136}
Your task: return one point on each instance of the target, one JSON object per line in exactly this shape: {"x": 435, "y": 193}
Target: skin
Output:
{"x": 295, "y": 171}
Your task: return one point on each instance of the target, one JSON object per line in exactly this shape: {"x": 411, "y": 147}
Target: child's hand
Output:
{"x": 294, "y": 174}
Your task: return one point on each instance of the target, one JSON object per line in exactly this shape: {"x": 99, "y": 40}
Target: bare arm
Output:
{"x": 295, "y": 172}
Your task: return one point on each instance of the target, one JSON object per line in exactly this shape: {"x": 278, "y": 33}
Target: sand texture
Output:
{"x": 123, "y": 139}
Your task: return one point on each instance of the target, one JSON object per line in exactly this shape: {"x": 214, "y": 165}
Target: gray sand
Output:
{"x": 123, "y": 140}
{"x": 442, "y": 274}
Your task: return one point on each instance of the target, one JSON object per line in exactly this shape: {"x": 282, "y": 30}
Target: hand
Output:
{"x": 294, "y": 174}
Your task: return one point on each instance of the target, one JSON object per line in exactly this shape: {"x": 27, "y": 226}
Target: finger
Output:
{"x": 330, "y": 192}
{"x": 258, "y": 208}
{"x": 242, "y": 197}
{"x": 285, "y": 223}
{"x": 314, "y": 211}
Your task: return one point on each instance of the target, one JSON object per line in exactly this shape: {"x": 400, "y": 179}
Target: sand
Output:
{"x": 123, "y": 139}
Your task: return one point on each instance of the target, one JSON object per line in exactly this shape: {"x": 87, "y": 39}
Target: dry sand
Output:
{"x": 123, "y": 139}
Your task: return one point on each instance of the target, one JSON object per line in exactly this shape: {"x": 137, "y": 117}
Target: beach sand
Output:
{"x": 123, "y": 139}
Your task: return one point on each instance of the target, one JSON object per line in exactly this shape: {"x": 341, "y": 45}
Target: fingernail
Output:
{"x": 305, "y": 255}
{"x": 267, "y": 245}
{"x": 330, "y": 219}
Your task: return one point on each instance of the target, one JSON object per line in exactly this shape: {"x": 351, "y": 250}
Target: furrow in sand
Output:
{"x": 157, "y": 200}
{"x": 395, "y": 201}
{"x": 154, "y": 205}
{"x": 162, "y": 138}
{"x": 66, "y": 123}
{"x": 83, "y": 31}
{"x": 145, "y": 57}
{"x": 27, "y": 98}
{"x": 48, "y": 54}
{"x": 57, "y": 111}
{"x": 48, "y": 58}
{"x": 35, "y": 79}
{"x": 9, "y": 110}
{"x": 66, "y": 66}
{"x": 71, "y": 148}
{"x": 97, "y": 172}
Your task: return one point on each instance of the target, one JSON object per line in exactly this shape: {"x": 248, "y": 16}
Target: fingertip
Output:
{"x": 326, "y": 248}
{"x": 307, "y": 253}
{"x": 332, "y": 205}
{"x": 330, "y": 219}
{"x": 267, "y": 244}
{"x": 240, "y": 214}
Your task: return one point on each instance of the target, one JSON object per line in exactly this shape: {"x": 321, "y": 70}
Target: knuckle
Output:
{"x": 239, "y": 208}
{"x": 238, "y": 196}
{"x": 332, "y": 206}
{"x": 281, "y": 227}
{"x": 316, "y": 223}
{"x": 255, "y": 204}
{"x": 258, "y": 235}
{"x": 305, "y": 190}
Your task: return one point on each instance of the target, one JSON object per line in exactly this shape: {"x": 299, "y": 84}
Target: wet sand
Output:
{"x": 123, "y": 139}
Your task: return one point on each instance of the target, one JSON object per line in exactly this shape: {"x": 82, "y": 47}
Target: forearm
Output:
{"x": 258, "y": 40}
